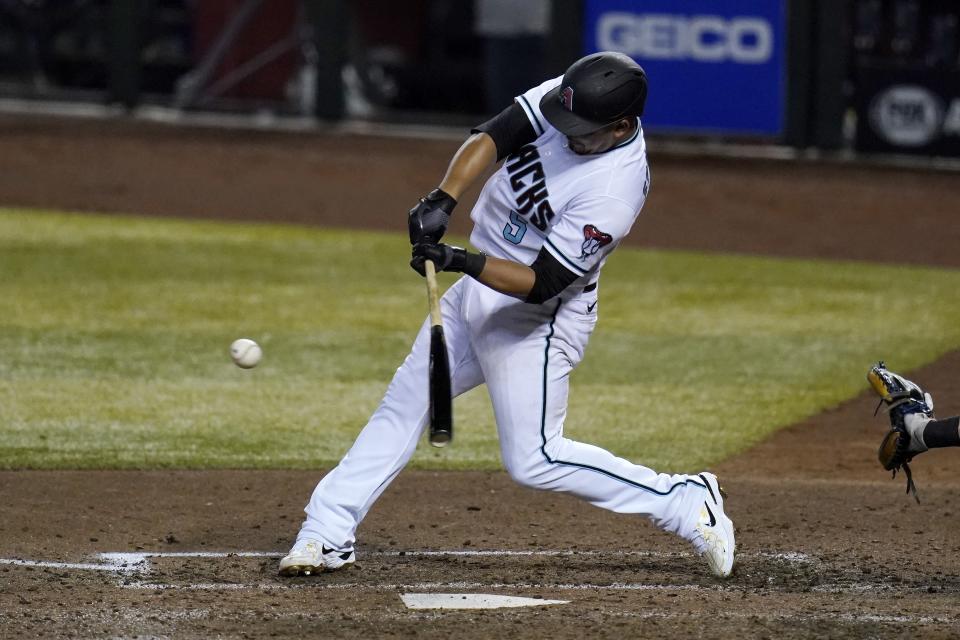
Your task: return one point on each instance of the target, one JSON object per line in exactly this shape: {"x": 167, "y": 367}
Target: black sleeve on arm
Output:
{"x": 551, "y": 278}
{"x": 510, "y": 130}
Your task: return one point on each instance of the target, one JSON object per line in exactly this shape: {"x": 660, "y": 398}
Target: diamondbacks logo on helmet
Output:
{"x": 566, "y": 97}
{"x": 593, "y": 241}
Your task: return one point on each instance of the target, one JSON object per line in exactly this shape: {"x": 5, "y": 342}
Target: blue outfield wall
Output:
{"x": 713, "y": 67}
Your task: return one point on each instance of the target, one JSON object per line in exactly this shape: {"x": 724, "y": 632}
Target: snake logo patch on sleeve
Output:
{"x": 593, "y": 241}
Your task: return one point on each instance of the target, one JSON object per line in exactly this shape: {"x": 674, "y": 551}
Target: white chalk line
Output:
{"x": 139, "y": 561}
{"x": 872, "y": 618}
{"x": 414, "y": 586}
{"x": 130, "y": 563}
{"x": 794, "y": 617}
{"x": 58, "y": 565}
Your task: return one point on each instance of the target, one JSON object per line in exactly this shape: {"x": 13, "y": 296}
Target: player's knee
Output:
{"x": 522, "y": 477}
{"x": 532, "y": 473}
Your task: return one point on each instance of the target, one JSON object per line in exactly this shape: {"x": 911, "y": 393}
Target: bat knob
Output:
{"x": 440, "y": 439}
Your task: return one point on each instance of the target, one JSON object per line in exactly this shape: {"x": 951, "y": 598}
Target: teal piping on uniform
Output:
{"x": 533, "y": 115}
{"x": 636, "y": 134}
{"x": 543, "y": 432}
{"x": 573, "y": 265}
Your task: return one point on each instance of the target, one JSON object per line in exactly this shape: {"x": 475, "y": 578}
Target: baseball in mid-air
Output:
{"x": 246, "y": 353}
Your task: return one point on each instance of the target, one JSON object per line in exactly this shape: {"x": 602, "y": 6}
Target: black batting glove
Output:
{"x": 429, "y": 218}
{"x": 443, "y": 256}
{"x": 447, "y": 258}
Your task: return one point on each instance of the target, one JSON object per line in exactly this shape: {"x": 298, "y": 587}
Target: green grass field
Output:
{"x": 114, "y": 334}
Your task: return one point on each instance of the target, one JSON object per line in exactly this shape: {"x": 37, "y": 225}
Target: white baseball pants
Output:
{"x": 524, "y": 353}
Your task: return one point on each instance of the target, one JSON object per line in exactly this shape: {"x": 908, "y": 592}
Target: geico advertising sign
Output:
{"x": 712, "y": 66}
{"x": 913, "y": 116}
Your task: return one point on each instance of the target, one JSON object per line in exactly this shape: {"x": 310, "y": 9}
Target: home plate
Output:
{"x": 470, "y": 601}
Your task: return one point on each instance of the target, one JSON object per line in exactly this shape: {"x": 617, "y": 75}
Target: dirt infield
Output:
{"x": 830, "y": 547}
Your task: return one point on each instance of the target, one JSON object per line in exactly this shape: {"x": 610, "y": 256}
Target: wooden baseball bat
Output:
{"x": 441, "y": 402}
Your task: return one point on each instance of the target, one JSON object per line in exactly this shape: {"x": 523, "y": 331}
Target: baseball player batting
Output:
{"x": 573, "y": 180}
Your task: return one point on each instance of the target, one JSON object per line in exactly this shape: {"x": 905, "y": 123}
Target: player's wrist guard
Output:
{"x": 429, "y": 218}
{"x": 472, "y": 263}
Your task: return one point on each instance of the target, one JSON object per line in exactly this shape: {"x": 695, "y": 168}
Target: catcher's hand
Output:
{"x": 906, "y": 404}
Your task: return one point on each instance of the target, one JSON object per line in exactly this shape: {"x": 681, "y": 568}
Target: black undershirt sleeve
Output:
{"x": 510, "y": 130}
{"x": 942, "y": 433}
{"x": 551, "y": 278}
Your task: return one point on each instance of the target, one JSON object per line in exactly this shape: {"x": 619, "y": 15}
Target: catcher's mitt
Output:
{"x": 902, "y": 398}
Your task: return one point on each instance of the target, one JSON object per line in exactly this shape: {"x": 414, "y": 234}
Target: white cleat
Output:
{"x": 308, "y": 557}
{"x": 713, "y": 535}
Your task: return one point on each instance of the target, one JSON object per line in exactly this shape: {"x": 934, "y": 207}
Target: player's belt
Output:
{"x": 590, "y": 287}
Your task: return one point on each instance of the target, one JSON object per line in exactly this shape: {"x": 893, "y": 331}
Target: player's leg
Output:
{"x": 527, "y": 377}
{"x": 528, "y": 388}
{"x": 385, "y": 445}
{"x": 931, "y": 433}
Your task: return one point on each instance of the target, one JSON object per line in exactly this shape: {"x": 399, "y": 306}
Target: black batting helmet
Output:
{"x": 597, "y": 90}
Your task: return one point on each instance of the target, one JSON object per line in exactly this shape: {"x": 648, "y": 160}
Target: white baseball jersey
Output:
{"x": 579, "y": 208}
